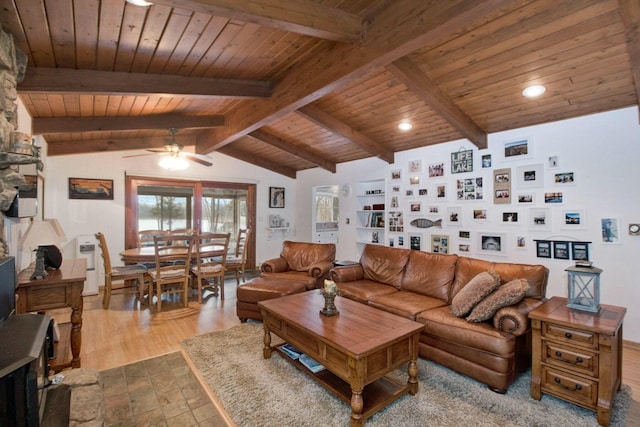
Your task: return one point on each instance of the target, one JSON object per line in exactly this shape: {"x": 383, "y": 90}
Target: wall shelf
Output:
{"x": 284, "y": 230}
{"x": 371, "y": 212}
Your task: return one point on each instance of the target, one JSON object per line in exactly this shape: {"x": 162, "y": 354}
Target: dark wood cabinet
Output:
{"x": 61, "y": 288}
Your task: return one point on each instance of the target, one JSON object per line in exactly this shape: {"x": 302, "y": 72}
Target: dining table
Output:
{"x": 146, "y": 254}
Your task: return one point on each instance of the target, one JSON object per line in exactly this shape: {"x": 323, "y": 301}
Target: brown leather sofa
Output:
{"x": 309, "y": 262}
{"x": 421, "y": 286}
{"x": 300, "y": 267}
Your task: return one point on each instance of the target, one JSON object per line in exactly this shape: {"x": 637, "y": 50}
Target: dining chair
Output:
{"x": 120, "y": 273}
{"x": 209, "y": 268}
{"x": 188, "y": 231}
{"x": 170, "y": 275}
{"x": 145, "y": 237}
{"x": 237, "y": 261}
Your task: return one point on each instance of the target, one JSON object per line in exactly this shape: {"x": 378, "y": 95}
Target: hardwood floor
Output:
{"x": 126, "y": 333}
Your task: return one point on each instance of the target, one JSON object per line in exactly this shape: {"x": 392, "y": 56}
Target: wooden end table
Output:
{"x": 62, "y": 288}
{"x": 358, "y": 347}
{"x": 577, "y": 355}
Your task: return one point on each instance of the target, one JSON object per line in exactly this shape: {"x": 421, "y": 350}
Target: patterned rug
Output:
{"x": 259, "y": 392}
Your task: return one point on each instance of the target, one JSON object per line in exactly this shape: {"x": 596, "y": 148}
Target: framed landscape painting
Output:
{"x": 90, "y": 189}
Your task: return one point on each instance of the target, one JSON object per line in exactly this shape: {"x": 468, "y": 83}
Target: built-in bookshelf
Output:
{"x": 371, "y": 213}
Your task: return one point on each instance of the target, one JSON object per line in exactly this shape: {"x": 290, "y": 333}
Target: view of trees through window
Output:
{"x": 171, "y": 208}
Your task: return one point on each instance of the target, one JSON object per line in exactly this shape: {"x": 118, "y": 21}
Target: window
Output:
{"x": 327, "y": 208}
{"x": 164, "y": 204}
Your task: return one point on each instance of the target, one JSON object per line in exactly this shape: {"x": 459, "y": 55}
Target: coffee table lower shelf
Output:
{"x": 376, "y": 395}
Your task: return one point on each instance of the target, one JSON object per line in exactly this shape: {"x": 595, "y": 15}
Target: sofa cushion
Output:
{"x": 536, "y": 276}
{"x": 507, "y": 294}
{"x": 440, "y": 323}
{"x": 475, "y": 291}
{"x": 363, "y": 290}
{"x": 404, "y": 303}
{"x": 429, "y": 274}
{"x": 300, "y": 256}
{"x": 384, "y": 265}
{"x": 467, "y": 268}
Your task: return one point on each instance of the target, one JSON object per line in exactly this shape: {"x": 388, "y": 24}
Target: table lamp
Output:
{"x": 45, "y": 235}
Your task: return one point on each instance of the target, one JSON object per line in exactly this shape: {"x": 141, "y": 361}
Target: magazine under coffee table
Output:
{"x": 358, "y": 348}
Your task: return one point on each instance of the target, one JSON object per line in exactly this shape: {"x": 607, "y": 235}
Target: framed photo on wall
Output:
{"x": 543, "y": 248}
{"x": 518, "y": 149}
{"x": 561, "y": 250}
{"x": 276, "y": 197}
{"x": 580, "y": 251}
{"x": 492, "y": 243}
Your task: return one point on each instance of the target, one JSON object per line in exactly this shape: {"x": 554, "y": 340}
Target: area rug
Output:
{"x": 269, "y": 392}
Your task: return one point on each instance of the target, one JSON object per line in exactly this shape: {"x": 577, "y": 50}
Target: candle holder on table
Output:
{"x": 329, "y": 293}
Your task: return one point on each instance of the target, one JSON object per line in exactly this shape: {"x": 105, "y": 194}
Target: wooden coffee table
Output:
{"x": 358, "y": 348}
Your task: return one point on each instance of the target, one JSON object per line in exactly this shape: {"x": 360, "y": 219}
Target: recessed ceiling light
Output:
{"x": 139, "y": 2}
{"x": 534, "y": 91}
{"x": 405, "y": 126}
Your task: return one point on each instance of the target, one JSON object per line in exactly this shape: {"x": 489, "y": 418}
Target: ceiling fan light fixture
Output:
{"x": 405, "y": 126}
{"x": 173, "y": 163}
{"x": 139, "y": 2}
{"x": 533, "y": 91}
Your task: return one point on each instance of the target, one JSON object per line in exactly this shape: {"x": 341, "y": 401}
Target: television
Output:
{"x": 8, "y": 283}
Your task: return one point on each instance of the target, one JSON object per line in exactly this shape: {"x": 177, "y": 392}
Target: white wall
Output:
{"x": 602, "y": 150}
{"x": 81, "y": 217}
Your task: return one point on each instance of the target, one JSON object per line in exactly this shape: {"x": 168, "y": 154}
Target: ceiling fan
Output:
{"x": 173, "y": 157}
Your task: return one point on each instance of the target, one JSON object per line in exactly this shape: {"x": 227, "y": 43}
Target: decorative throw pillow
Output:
{"x": 474, "y": 292}
{"x": 507, "y": 294}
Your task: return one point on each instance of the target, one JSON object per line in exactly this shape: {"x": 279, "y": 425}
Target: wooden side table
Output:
{"x": 577, "y": 355}
{"x": 62, "y": 288}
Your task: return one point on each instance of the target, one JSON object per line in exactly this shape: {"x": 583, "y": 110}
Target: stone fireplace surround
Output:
{"x": 13, "y": 149}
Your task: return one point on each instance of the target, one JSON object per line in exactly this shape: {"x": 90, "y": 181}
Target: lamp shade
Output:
{"x": 43, "y": 233}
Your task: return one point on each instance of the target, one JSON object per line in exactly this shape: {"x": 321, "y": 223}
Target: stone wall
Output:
{"x": 13, "y": 149}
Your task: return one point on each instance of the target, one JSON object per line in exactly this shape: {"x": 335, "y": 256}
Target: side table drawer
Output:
{"x": 568, "y": 335}
{"x": 575, "y": 359}
{"x": 46, "y": 298}
{"x": 570, "y": 387}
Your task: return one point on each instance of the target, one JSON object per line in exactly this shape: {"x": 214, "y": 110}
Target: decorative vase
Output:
{"x": 329, "y": 308}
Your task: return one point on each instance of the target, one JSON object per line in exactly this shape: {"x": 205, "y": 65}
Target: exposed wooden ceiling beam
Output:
{"x": 258, "y": 161}
{"x": 51, "y": 80}
{"x": 296, "y": 150}
{"x": 48, "y": 125}
{"x": 60, "y": 148}
{"x": 630, "y": 13}
{"x": 297, "y": 16}
{"x": 399, "y": 29}
{"x": 417, "y": 82}
{"x": 334, "y": 125}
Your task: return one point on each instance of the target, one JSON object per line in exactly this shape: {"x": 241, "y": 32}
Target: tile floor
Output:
{"x": 161, "y": 391}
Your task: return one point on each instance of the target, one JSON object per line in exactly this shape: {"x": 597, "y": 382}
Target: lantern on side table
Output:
{"x": 584, "y": 288}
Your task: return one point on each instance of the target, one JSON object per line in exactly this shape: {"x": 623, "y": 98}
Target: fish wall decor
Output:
{"x": 426, "y": 223}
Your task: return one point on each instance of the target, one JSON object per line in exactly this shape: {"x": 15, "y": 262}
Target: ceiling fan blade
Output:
{"x": 138, "y": 155}
{"x": 198, "y": 158}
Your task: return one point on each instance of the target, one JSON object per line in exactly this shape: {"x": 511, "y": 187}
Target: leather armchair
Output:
{"x": 310, "y": 262}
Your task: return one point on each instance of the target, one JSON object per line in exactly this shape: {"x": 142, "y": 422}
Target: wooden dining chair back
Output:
{"x": 187, "y": 231}
{"x": 238, "y": 260}
{"x": 170, "y": 275}
{"x": 119, "y": 273}
{"x": 210, "y": 266}
{"x": 145, "y": 237}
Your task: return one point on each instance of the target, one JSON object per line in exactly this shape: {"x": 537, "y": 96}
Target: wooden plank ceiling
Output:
{"x": 295, "y": 84}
